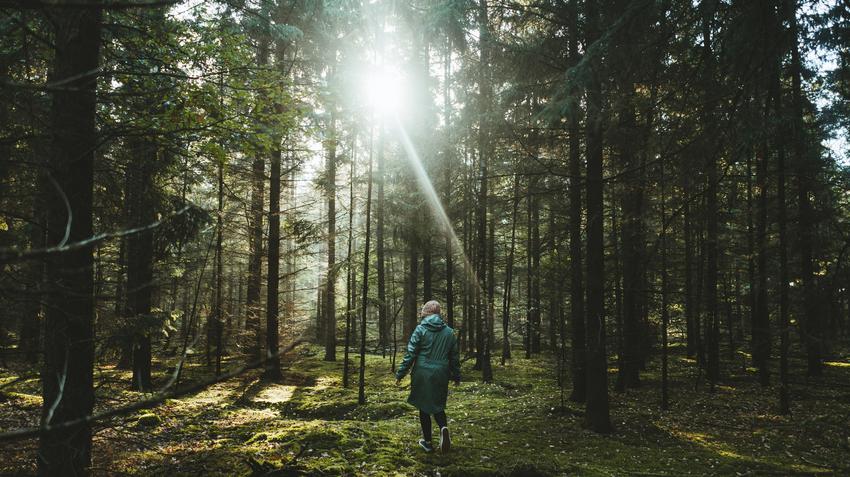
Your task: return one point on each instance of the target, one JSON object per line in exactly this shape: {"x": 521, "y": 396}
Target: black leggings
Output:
{"x": 425, "y": 421}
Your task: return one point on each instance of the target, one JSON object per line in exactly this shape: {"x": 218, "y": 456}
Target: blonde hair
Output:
{"x": 431, "y": 308}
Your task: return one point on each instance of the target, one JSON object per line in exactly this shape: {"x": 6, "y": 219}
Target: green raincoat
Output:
{"x": 433, "y": 353}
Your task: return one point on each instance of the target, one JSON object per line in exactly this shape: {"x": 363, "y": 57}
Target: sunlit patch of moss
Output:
{"x": 148, "y": 420}
{"x": 275, "y": 394}
{"x": 21, "y": 399}
{"x": 837, "y": 364}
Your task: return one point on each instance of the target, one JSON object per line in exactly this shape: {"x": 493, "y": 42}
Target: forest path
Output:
{"x": 307, "y": 424}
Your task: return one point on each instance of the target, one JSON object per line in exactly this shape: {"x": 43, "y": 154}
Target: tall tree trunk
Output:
{"x": 751, "y": 249}
{"x": 30, "y": 328}
{"x": 380, "y": 254}
{"x": 410, "y": 308}
{"x": 811, "y": 322}
{"x": 553, "y": 287}
{"x": 219, "y": 270}
{"x": 534, "y": 231}
{"x": 484, "y": 95}
{"x": 713, "y": 340}
{"x": 272, "y": 364}
{"x": 330, "y": 285}
{"x": 509, "y": 276}
{"x": 447, "y": 168}
{"x": 487, "y": 369}
{"x": 692, "y": 331}
{"x": 596, "y": 408}
{"x": 577, "y": 323}
{"x": 253, "y": 306}
{"x": 364, "y": 301}
{"x": 140, "y": 212}
{"x": 617, "y": 278}
{"x": 665, "y": 311}
{"x": 628, "y": 375}
{"x": 529, "y": 287}
{"x": 350, "y": 269}
{"x": 67, "y": 378}
{"x": 761, "y": 323}
{"x": 782, "y": 219}
{"x": 427, "y": 291}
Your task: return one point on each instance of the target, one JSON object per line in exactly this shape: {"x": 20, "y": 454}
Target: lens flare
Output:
{"x": 434, "y": 203}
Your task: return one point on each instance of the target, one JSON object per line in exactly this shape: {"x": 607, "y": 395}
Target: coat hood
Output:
{"x": 433, "y": 322}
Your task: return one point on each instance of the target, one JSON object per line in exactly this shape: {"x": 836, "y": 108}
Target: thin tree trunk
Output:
{"x": 597, "y": 416}
{"x": 330, "y": 285}
{"x": 383, "y": 325}
{"x": 761, "y": 323}
{"x": 577, "y": 319}
{"x": 712, "y": 336}
{"x": 427, "y": 291}
{"x": 219, "y": 270}
{"x": 447, "y": 167}
{"x": 691, "y": 330}
{"x": 811, "y": 322}
{"x": 348, "y": 286}
{"x": 534, "y": 229}
{"x": 410, "y": 313}
{"x": 484, "y": 95}
{"x": 509, "y": 275}
{"x": 665, "y": 309}
{"x": 140, "y": 212}
{"x": 361, "y": 388}
{"x": 272, "y": 364}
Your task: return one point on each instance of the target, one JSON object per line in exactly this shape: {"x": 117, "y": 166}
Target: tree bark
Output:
{"x": 330, "y": 284}
{"x": 484, "y": 95}
{"x": 811, "y": 322}
{"x": 509, "y": 275}
{"x": 67, "y": 379}
{"x": 577, "y": 323}
{"x": 272, "y": 364}
{"x": 380, "y": 254}
{"x": 711, "y": 321}
{"x": 364, "y": 301}
{"x": 140, "y": 212}
{"x": 597, "y": 416}
{"x": 253, "y": 306}
{"x": 761, "y": 320}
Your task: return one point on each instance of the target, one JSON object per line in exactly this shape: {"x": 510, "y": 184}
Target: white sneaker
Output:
{"x": 426, "y": 445}
{"x": 445, "y": 440}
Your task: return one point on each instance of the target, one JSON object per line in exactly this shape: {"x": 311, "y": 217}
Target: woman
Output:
{"x": 432, "y": 351}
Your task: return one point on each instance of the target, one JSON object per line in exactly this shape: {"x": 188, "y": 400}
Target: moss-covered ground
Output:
{"x": 307, "y": 424}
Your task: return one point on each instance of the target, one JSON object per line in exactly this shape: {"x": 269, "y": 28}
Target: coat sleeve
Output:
{"x": 410, "y": 355}
{"x": 454, "y": 361}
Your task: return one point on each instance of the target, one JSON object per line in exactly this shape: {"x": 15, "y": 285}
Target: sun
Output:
{"x": 383, "y": 89}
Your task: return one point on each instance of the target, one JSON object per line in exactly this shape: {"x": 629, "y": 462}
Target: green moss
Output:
{"x": 517, "y": 426}
{"x": 380, "y": 411}
{"x": 148, "y": 420}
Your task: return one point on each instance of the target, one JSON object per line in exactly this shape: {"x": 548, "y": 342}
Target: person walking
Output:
{"x": 432, "y": 353}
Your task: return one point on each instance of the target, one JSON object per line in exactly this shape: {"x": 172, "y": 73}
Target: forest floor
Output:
{"x": 307, "y": 424}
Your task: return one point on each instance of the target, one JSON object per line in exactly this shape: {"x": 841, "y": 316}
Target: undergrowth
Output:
{"x": 307, "y": 424}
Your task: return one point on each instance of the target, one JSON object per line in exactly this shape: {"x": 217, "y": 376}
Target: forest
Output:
{"x": 219, "y": 220}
